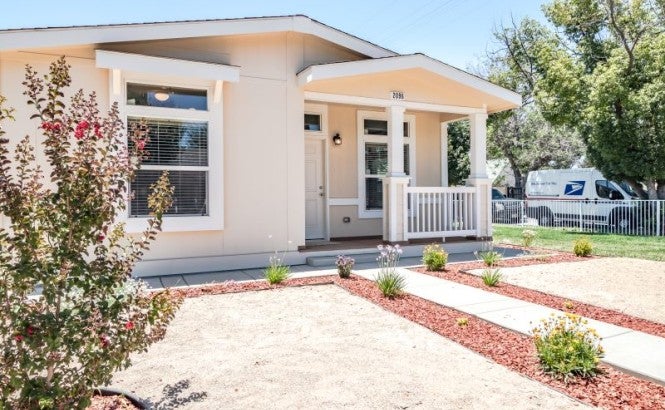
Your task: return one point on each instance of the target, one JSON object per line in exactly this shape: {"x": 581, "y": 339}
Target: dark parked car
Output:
{"x": 504, "y": 210}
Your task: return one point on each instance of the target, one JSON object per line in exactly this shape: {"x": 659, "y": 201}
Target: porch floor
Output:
{"x": 319, "y": 245}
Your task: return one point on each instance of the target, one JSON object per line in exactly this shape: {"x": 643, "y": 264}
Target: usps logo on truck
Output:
{"x": 574, "y": 188}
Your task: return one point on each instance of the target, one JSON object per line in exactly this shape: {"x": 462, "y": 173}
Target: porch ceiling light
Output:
{"x": 161, "y": 96}
{"x": 337, "y": 140}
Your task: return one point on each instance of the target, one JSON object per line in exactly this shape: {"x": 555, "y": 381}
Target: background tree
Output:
{"x": 602, "y": 72}
{"x": 459, "y": 144}
{"x": 523, "y": 136}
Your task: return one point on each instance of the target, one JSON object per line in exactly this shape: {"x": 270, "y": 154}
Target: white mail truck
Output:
{"x": 579, "y": 196}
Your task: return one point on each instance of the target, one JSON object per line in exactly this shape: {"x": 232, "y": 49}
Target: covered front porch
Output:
{"x": 383, "y": 126}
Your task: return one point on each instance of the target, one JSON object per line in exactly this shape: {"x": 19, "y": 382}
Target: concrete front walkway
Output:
{"x": 635, "y": 352}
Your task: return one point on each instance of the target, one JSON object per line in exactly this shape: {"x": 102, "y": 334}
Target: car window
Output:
{"x": 603, "y": 189}
{"x": 496, "y": 194}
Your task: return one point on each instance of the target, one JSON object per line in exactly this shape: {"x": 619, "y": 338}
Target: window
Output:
{"x": 182, "y": 149}
{"x": 373, "y": 159}
{"x": 312, "y": 122}
{"x": 185, "y": 140}
{"x": 605, "y": 188}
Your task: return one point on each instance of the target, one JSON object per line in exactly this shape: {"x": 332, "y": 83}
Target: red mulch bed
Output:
{"x": 613, "y": 389}
{"x": 457, "y": 273}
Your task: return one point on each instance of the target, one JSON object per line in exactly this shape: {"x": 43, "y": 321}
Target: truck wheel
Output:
{"x": 545, "y": 217}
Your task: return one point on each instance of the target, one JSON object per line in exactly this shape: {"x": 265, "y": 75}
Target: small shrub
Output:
{"x": 583, "y": 247}
{"x": 568, "y": 305}
{"x": 391, "y": 284}
{"x": 490, "y": 258}
{"x": 389, "y": 281}
{"x": 491, "y": 277}
{"x": 528, "y": 236}
{"x": 277, "y": 272}
{"x": 567, "y": 348}
{"x": 344, "y": 266}
{"x": 462, "y": 321}
{"x": 434, "y": 257}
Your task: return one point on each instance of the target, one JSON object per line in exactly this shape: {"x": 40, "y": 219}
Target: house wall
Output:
{"x": 343, "y": 167}
{"x": 263, "y": 138}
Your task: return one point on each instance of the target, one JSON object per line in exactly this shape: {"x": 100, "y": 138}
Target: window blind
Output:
{"x": 376, "y": 163}
{"x": 189, "y": 196}
{"x": 178, "y": 143}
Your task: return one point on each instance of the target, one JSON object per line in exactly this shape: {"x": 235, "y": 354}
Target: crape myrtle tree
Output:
{"x": 63, "y": 238}
{"x": 602, "y": 71}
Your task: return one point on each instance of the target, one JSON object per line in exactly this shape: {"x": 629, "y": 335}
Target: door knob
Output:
{"x": 322, "y": 194}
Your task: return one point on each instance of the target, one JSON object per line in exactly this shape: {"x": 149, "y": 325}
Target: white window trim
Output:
{"x": 364, "y": 213}
{"x": 214, "y": 116}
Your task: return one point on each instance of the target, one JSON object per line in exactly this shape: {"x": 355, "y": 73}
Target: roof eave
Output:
{"x": 82, "y": 35}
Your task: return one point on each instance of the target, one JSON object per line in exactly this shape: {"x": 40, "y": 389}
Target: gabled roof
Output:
{"x": 419, "y": 66}
{"x": 14, "y": 39}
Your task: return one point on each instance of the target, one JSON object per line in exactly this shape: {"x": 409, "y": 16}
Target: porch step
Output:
{"x": 319, "y": 261}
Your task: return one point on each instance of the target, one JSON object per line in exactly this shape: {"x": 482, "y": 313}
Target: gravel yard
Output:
{"x": 318, "y": 346}
{"x": 632, "y": 286}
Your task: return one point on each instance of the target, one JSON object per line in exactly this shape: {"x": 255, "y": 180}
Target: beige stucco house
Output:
{"x": 276, "y": 131}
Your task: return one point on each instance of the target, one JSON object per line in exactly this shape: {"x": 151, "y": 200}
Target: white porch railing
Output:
{"x": 433, "y": 212}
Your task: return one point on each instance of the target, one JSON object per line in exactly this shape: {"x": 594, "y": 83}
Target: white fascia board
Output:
{"x": 379, "y": 65}
{"x": 76, "y": 36}
{"x": 166, "y": 66}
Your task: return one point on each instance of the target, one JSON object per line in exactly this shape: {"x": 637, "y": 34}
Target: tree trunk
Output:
{"x": 637, "y": 187}
{"x": 652, "y": 190}
{"x": 660, "y": 190}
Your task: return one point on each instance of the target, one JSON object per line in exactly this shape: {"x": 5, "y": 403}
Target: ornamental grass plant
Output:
{"x": 390, "y": 282}
{"x": 63, "y": 236}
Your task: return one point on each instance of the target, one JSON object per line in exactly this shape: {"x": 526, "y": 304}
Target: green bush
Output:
{"x": 490, "y": 258}
{"x": 583, "y": 247}
{"x": 528, "y": 236}
{"x": 434, "y": 257}
{"x": 491, "y": 277}
{"x": 63, "y": 236}
{"x": 567, "y": 348}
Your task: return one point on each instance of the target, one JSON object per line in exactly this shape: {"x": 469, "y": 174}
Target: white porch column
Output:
{"x": 478, "y": 175}
{"x": 444, "y": 154}
{"x": 395, "y": 181}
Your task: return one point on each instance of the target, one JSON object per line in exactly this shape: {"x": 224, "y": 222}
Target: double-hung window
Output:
{"x": 181, "y": 103}
{"x": 373, "y": 159}
{"x": 181, "y": 139}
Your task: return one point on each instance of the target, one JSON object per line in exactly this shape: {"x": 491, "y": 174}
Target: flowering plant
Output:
{"x": 344, "y": 265}
{"x": 390, "y": 282}
{"x": 63, "y": 238}
{"x": 567, "y": 347}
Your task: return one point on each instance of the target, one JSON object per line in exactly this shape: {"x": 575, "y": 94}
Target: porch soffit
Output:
{"x": 421, "y": 78}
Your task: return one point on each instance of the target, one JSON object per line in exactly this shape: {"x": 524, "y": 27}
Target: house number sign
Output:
{"x": 397, "y": 95}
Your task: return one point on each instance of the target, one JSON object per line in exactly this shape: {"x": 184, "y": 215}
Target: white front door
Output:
{"x": 314, "y": 190}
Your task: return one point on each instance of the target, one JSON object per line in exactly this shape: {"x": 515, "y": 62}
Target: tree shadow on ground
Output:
{"x": 174, "y": 396}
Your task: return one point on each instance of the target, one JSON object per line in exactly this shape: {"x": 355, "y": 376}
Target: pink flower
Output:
{"x": 101, "y": 237}
{"x": 104, "y": 340}
{"x": 129, "y": 325}
{"x": 30, "y": 330}
{"x": 78, "y": 133}
{"x": 97, "y": 128}
{"x": 140, "y": 145}
{"x": 83, "y": 125}
{"x": 18, "y": 338}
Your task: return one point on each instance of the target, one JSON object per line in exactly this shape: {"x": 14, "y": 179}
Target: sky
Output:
{"x": 458, "y": 32}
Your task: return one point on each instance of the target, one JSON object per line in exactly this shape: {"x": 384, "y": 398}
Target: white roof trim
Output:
{"x": 379, "y": 65}
{"x": 166, "y": 66}
{"x": 81, "y": 35}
